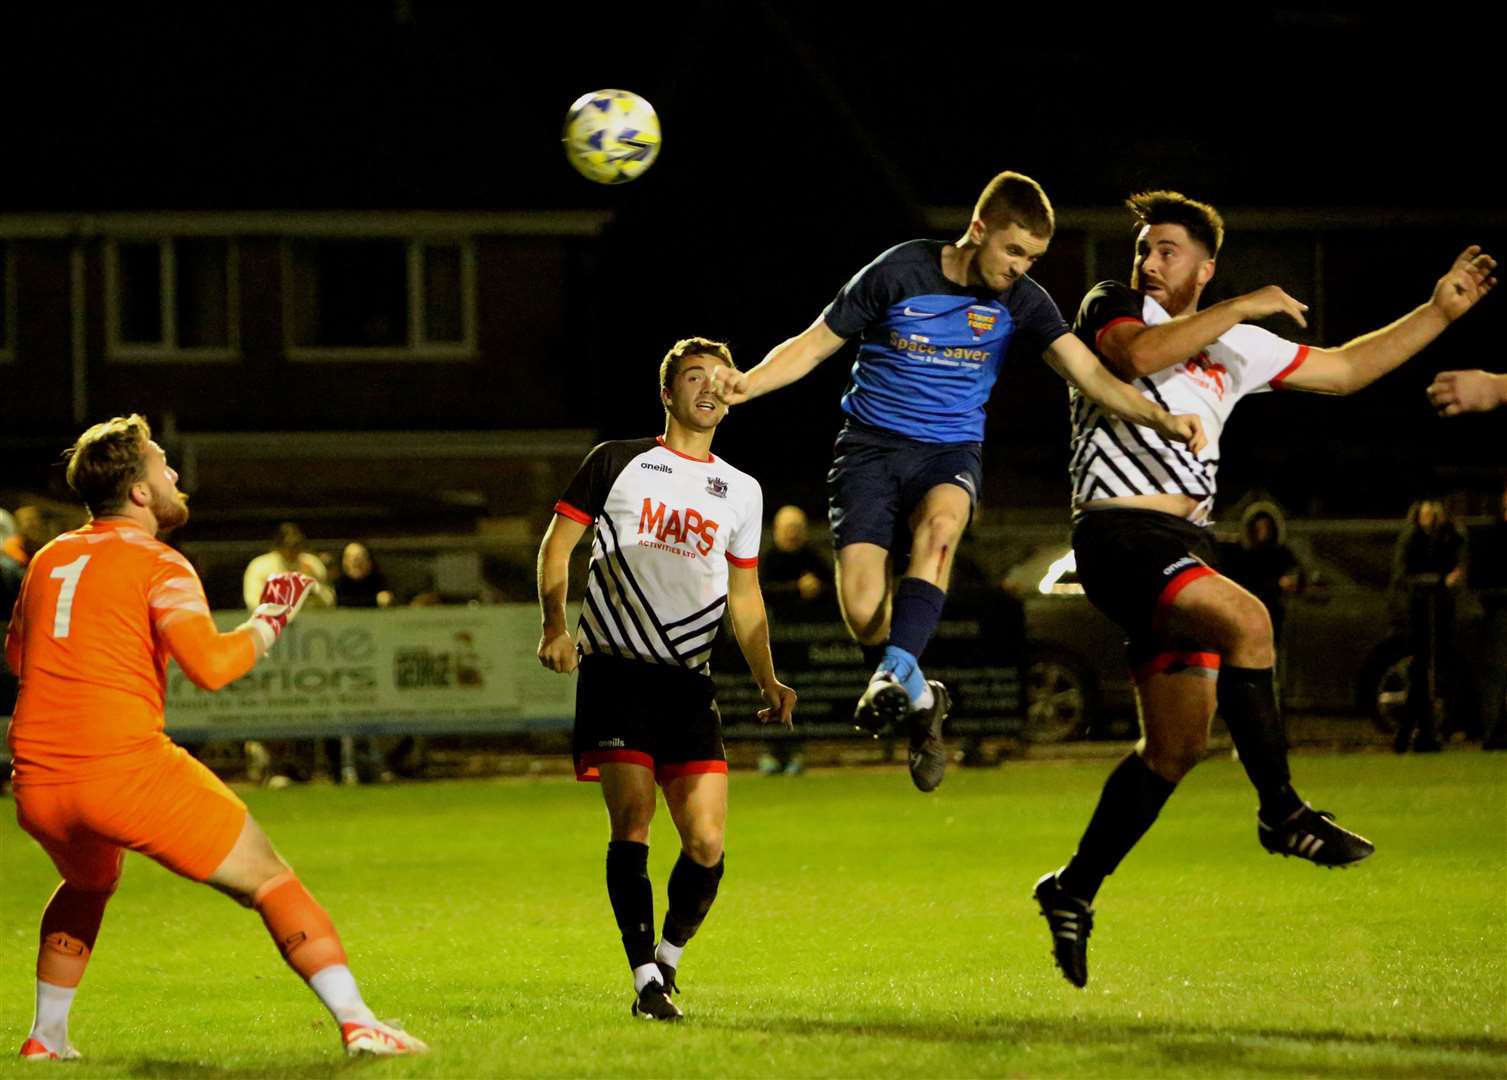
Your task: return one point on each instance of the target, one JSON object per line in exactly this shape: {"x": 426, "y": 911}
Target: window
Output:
{"x": 369, "y": 298}
{"x": 172, "y": 299}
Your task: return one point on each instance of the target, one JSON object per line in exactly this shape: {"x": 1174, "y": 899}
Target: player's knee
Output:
{"x": 1172, "y": 755}
{"x": 102, "y": 885}
{"x": 1251, "y": 632}
{"x": 632, "y": 821}
{"x": 937, "y": 530}
{"x": 704, "y": 845}
{"x": 1172, "y": 761}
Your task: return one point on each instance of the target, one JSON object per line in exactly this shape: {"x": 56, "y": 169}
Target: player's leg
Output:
{"x": 181, "y": 815}
{"x": 863, "y": 595}
{"x": 1175, "y": 697}
{"x": 936, "y": 526}
{"x": 71, "y": 920}
{"x": 256, "y": 876}
{"x": 698, "y": 806}
{"x": 1208, "y": 607}
{"x": 629, "y": 792}
{"x": 863, "y": 510}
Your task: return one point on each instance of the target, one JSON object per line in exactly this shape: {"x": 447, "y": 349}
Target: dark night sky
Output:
{"x": 800, "y": 139}
{"x": 415, "y": 103}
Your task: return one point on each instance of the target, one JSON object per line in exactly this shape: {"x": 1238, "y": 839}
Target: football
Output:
{"x": 611, "y": 136}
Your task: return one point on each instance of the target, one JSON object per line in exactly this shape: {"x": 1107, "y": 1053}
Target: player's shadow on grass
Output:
{"x": 190, "y": 1069}
{"x": 1182, "y": 1042}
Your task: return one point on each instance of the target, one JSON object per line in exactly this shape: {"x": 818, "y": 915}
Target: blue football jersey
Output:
{"x": 930, "y": 349}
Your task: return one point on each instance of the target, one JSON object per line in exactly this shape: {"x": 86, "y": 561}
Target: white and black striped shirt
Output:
{"x": 667, "y": 525}
{"x": 1112, "y": 458}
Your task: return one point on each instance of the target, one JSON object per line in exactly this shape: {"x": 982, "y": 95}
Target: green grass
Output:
{"x": 863, "y": 930}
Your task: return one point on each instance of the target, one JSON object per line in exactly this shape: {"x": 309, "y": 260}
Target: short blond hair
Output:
{"x": 106, "y": 460}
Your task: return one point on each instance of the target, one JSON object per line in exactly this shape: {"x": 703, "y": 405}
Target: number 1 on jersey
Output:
{"x": 69, "y": 576}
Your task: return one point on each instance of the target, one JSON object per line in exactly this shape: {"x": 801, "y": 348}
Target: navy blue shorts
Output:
{"x": 878, "y": 478}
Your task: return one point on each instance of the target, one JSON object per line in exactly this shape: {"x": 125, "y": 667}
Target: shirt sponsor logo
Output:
{"x": 656, "y": 468}
{"x": 1208, "y": 374}
{"x": 673, "y": 528}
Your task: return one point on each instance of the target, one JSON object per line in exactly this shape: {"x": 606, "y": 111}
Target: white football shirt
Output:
{"x": 667, "y": 525}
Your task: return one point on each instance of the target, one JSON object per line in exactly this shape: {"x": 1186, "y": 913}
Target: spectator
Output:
{"x": 793, "y": 564}
{"x": 1263, "y": 563}
{"x": 1488, "y": 576}
{"x": 792, "y": 572}
{"x": 288, "y": 554}
{"x": 278, "y": 763}
{"x": 361, "y": 582}
{"x": 1428, "y": 563}
{"x": 31, "y": 533}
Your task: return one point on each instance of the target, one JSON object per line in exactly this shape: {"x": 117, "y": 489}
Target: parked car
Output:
{"x": 1343, "y": 649}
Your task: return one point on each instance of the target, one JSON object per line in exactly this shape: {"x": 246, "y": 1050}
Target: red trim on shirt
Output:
{"x": 710, "y": 457}
{"x": 744, "y": 564}
{"x": 1175, "y": 586}
{"x": 1297, "y": 362}
{"x": 1184, "y": 660}
{"x": 586, "y": 764}
{"x": 688, "y": 768}
{"x": 1114, "y": 322}
{"x": 564, "y": 509}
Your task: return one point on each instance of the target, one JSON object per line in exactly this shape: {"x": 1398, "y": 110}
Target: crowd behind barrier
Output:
{"x": 450, "y": 653}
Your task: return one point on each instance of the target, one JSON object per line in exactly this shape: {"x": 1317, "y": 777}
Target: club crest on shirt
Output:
{"x": 981, "y": 320}
{"x": 717, "y": 486}
{"x": 1208, "y": 373}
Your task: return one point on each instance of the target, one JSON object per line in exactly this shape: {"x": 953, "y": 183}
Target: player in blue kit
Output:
{"x": 676, "y": 545}
{"x": 936, "y": 322}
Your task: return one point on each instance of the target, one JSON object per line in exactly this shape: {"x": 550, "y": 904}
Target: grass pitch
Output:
{"x": 863, "y": 930}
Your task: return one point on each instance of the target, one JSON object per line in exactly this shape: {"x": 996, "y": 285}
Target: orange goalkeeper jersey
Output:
{"x": 101, "y": 610}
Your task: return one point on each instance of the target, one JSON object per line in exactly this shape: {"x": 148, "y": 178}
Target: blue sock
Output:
{"x": 903, "y": 666}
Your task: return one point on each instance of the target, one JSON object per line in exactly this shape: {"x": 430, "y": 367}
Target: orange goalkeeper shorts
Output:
{"x": 174, "y": 811}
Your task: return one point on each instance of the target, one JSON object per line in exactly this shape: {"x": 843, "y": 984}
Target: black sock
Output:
{"x": 872, "y": 654}
{"x": 692, "y": 889}
{"x": 1248, "y": 702}
{"x": 1133, "y": 796}
{"x": 632, "y": 896}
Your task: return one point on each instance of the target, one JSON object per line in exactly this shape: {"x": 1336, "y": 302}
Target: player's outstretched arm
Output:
{"x": 788, "y": 361}
{"x": 1072, "y": 359}
{"x": 745, "y": 603}
{"x": 557, "y": 651}
{"x": 1456, "y": 392}
{"x": 209, "y": 658}
{"x": 1132, "y": 349}
{"x": 1361, "y": 362}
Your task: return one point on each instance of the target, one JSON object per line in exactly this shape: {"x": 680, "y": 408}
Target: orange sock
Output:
{"x": 70, "y": 924}
{"x": 300, "y": 927}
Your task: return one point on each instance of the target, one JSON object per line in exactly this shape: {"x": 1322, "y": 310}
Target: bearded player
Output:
{"x": 100, "y": 612}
